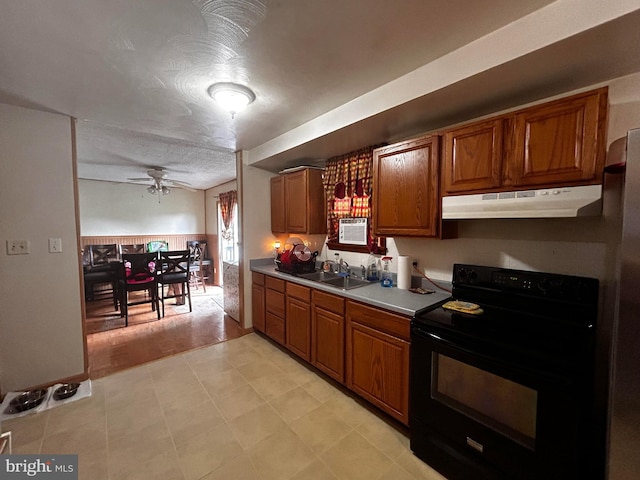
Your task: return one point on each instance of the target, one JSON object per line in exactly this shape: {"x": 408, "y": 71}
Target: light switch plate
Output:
{"x": 18, "y": 247}
{"x": 55, "y": 245}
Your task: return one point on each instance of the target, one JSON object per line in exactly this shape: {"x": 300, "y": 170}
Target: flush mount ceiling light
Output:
{"x": 231, "y": 96}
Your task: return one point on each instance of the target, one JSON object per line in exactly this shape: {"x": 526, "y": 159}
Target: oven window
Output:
{"x": 498, "y": 403}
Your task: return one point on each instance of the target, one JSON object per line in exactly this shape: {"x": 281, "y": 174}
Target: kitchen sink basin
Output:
{"x": 335, "y": 280}
{"x": 320, "y": 276}
{"x": 346, "y": 283}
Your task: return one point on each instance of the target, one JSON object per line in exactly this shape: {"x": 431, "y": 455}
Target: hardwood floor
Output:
{"x": 112, "y": 347}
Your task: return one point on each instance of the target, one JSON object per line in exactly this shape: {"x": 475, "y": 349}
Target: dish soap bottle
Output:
{"x": 372, "y": 272}
{"x": 387, "y": 279}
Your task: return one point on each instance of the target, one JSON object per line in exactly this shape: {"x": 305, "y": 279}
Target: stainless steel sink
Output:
{"x": 320, "y": 276}
{"x": 335, "y": 280}
{"x": 346, "y": 283}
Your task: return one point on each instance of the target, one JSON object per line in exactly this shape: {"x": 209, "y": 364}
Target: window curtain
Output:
{"x": 228, "y": 201}
{"x": 348, "y": 184}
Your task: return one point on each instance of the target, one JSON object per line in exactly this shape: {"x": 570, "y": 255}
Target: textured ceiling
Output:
{"x": 135, "y": 72}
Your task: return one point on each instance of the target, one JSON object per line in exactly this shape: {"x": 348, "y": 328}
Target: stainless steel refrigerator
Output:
{"x": 624, "y": 403}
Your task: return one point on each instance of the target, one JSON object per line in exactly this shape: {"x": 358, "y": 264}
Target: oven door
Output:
{"x": 477, "y": 415}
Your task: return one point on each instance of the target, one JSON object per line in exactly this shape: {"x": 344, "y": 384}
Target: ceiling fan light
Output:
{"x": 152, "y": 189}
{"x": 166, "y": 190}
{"x": 231, "y": 96}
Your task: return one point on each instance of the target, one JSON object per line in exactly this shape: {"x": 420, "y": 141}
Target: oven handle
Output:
{"x": 545, "y": 374}
{"x": 444, "y": 341}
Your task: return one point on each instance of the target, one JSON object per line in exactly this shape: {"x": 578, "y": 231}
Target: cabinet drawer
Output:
{"x": 257, "y": 278}
{"x": 274, "y": 327}
{"x": 274, "y": 284}
{"x": 329, "y": 302}
{"x": 298, "y": 291}
{"x": 274, "y": 302}
{"x": 387, "y": 322}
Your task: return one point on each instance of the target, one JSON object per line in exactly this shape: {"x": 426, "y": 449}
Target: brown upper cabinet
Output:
{"x": 558, "y": 143}
{"x": 405, "y": 186}
{"x": 297, "y": 202}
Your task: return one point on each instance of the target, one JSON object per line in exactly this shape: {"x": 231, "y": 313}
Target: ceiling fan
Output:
{"x": 161, "y": 183}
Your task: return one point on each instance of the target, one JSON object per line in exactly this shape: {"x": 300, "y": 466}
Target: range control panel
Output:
{"x": 538, "y": 284}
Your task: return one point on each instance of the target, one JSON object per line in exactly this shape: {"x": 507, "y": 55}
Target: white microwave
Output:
{"x": 353, "y": 231}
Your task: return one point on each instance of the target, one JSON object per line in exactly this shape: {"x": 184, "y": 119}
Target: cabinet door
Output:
{"x": 298, "y": 203}
{"x": 275, "y": 310}
{"x": 473, "y": 157}
{"x": 277, "y": 205}
{"x": 295, "y": 188}
{"x": 560, "y": 143}
{"x": 327, "y": 342}
{"x": 274, "y": 327}
{"x": 405, "y": 188}
{"x": 258, "y": 307}
{"x": 378, "y": 369}
{"x": 275, "y": 302}
{"x": 298, "y": 328}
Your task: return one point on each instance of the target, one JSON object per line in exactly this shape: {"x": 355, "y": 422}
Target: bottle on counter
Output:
{"x": 372, "y": 269}
{"x": 386, "y": 278}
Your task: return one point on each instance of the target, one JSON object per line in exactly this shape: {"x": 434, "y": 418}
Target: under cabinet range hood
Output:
{"x": 545, "y": 203}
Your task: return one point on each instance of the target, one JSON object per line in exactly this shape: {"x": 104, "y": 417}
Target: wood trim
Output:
{"x": 79, "y": 248}
{"x": 240, "y": 240}
{"x": 213, "y": 251}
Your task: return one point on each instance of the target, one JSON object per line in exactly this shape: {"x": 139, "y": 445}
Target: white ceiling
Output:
{"x": 135, "y": 73}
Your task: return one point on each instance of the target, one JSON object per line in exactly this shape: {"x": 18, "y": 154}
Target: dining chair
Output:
{"x": 200, "y": 264}
{"x": 158, "y": 246}
{"x": 101, "y": 269}
{"x": 133, "y": 248}
{"x": 138, "y": 272}
{"x": 100, "y": 255}
{"x": 174, "y": 271}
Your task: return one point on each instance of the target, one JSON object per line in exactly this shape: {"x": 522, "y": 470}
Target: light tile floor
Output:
{"x": 242, "y": 409}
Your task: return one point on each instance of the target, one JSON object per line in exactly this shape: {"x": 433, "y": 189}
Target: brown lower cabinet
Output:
{"x": 257, "y": 301}
{"x": 327, "y": 334}
{"x": 298, "y": 320}
{"x": 364, "y": 348}
{"x": 378, "y": 358}
{"x": 275, "y": 309}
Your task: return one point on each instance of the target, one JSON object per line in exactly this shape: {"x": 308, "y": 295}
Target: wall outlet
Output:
{"x": 55, "y": 245}
{"x": 18, "y": 247}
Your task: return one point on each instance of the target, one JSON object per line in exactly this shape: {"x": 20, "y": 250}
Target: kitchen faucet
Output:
{"x": 343, "y": 266}
{"x": 339, "y": 267}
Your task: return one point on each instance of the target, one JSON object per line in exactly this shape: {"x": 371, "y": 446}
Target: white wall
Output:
{"x": 108, "y": 208}
{"x": 41, "y": 338}
{"x": 257, "y": 239}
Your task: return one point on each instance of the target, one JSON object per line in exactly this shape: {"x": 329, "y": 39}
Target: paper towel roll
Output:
{"x": 404, "y": 272}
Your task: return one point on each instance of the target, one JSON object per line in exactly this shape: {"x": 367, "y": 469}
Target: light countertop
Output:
{"x": 393, "y": 299}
